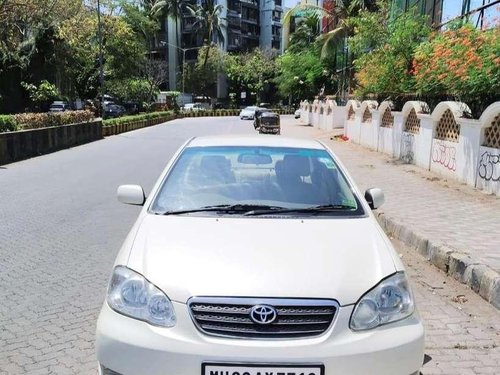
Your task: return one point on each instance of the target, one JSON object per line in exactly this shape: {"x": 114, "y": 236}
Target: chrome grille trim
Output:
{"x": 230, "y": 317}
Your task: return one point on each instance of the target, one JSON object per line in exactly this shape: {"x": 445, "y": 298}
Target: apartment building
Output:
{"x": 481, "y": 13}
{"x": 248, "y": 24}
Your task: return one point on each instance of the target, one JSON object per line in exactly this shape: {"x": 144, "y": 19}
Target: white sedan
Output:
{"x": 248, "y": 113}
{"x": 257, "y": 255}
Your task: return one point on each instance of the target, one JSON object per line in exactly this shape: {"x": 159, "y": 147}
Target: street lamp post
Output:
{"x": 101, "y": 67}
{"x": 184, "y": 50}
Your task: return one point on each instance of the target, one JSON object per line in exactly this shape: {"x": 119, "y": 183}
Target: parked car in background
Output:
{"x": 248, "y": 113}
{"x": 297, "y": 113}
{"x": 58, "y": 106}
{"x": 114, "y": 110}
{"x": 193, "y": 107}
{"x": 277, "y": 279}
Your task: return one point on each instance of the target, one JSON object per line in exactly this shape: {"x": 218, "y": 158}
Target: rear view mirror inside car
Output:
{"x": 255, "y": 159}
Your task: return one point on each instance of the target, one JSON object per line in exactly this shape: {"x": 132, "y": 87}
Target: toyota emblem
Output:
{"x": 263, "y": 314}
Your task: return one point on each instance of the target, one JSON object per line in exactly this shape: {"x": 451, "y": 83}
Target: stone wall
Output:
{"x": 445, "y": 141}
{"x": 19, "y": 145}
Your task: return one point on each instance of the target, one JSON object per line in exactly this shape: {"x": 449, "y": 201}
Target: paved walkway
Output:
{"x": 447, "y": 211}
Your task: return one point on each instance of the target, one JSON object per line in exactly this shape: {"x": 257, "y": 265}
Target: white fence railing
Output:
{"x": 444, "y": 141}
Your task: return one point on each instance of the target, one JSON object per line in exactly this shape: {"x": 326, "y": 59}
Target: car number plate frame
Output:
{"x": 226, "y": 368}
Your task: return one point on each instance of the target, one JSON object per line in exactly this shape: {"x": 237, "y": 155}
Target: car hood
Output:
{"x": 261, "y": 257}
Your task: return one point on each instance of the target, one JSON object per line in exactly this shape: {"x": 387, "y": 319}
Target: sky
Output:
{"x": 290, "y": 3}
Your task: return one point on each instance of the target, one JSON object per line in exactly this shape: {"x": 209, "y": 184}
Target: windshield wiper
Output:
{"x": 312, "y": 209}
{"x": 226, "y": 208}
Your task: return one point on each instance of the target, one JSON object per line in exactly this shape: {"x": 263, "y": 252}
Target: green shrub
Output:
{"x": 141, "y": 117}
{"x": 43, "y": 120}
{"x": 7, "y": 123}
{"x": 387, "y": 67}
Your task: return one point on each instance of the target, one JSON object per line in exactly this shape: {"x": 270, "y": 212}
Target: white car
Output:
{"x": 297, "y": 114}
{"x": 59, "y": 106}
{"x": 248, "y": 113}
{"x": 194, "y": 107}
{"x": 257, "y": 255}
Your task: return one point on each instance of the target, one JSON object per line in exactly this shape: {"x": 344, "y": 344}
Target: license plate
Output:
{"x": 264, "y": 369}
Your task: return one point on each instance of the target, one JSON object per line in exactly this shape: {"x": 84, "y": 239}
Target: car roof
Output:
{"x": 255, "y": 140}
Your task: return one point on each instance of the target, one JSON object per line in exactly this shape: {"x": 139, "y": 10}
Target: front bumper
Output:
{"x": 131, "y": 347}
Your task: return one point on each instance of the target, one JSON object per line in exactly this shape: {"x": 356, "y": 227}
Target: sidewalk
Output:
{"x": 456, "y": 227}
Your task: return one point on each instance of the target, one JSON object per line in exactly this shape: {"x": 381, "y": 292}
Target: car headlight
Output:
{"x": 391, "y": 300}
{"x": 130, "y": 294}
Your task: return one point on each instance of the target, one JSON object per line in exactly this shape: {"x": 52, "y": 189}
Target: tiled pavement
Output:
{"x": 443, "y": 210}
{"x": 60, "y": 228}
{"x": 462, "y": 330}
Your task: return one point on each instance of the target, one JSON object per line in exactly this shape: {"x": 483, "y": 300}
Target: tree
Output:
{"x": 301, "y": 74}
{"x": 42, "y": 95}
{"x": 172, "y": 9}
{"x": 124, "y": 52}
{"x": 134, "y": 90}
{"x": 333, "y": 43}
{"x": 208, "y": 24}
{"x": 28, "y": 42}
{"x": 385, "y": 63}
{"x": 253, "y": 71}
{"x": 208, "y": 21}
{"x": 155, "y": 73}
{"x": 305, "y": 34}
{"x": 201, "y": 77}
{"x": 140, "y": 16}
{"x": 340, "y": 16}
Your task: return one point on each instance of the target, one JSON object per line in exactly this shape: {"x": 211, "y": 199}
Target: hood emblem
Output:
{"x": 263, "y": 314}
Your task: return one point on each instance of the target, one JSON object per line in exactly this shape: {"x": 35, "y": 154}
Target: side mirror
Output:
{"x": 131, "y": 194}
{"x": 375, "y": 198}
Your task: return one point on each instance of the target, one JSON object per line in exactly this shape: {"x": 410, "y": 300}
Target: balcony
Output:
{"x": 233, "y": 21}
{"x": 233, "y": 7}
{"x": 250, "y": 3}
{"x": 253, "y": 21}
{"x": 249, "y": 35}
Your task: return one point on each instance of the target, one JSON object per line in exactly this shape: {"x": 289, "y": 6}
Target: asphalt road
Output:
{"x": 61, "y": 227}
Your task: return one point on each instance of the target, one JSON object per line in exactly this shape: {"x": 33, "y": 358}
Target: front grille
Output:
{"x": 231, "y": 317}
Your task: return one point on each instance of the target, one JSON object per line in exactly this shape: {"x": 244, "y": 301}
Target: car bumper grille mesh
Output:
{"x": 231, "y": 317}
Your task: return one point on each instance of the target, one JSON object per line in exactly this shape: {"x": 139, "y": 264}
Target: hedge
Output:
{"x": 128, "y": 119}
{"x": 44, "y": 120}
{"x": 7, "y": 123}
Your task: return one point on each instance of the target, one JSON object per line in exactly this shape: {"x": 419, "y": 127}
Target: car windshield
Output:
{"x": 250, "y": 108}
{"x": 56, "y": 106}
{"x": 280, "y": 178}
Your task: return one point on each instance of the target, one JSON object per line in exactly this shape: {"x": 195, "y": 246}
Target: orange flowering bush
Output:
{"x": 462, "y": 62}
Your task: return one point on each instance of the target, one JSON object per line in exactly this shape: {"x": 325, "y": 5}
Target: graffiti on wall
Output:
{"x": 489, "y": 166}
{"x": 407, "y": 148}
{"x": 444, "y": 155}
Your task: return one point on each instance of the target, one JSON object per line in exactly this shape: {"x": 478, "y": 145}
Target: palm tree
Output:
{"x": 209, "y": 23}
{"x": 333, "y": 40}
{"x": 339, "y": 16}
{"x": 172, "y": 9}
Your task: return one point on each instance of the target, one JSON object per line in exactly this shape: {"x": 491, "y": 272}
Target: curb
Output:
{"x": 458, "y": 264}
